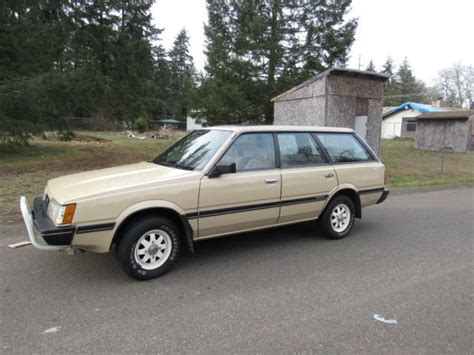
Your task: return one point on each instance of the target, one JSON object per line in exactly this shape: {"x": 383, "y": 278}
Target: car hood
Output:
{"x": 103, "y": 182}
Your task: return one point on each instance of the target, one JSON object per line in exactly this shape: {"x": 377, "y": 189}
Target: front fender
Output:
{"x": 143, "y": 205}
{"x": 187, "y": 229}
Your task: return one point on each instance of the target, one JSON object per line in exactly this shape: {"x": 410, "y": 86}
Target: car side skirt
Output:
{"x": 277, "y": 225}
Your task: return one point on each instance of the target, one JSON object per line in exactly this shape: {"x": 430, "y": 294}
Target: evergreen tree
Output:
{"x": 162, "y": 80}
{"x": 134, "y": 89}
{"x": 257, "y": 49}
{"x": 371, "y": 67}
{"x": 78, "y": 58}
{"x": 182, "y": 75}
{"x": 32, "y": 39}
{"x": 404, "y": 86}
{"x": 408, "y": 87}
{"x": 390, "y": 89}
{"x": 388, "y": 67}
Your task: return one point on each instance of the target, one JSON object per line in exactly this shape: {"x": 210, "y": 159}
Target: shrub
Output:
{"x": 141, "y": 124}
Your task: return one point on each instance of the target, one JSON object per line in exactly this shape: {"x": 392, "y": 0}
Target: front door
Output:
{"x": 247, "y": 199}
{"x": 307, "y": 179}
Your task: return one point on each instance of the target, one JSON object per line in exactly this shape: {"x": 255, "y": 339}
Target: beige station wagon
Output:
{"x": 213, "y": 182}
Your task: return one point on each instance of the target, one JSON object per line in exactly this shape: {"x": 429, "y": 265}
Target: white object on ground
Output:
{"x": 382, "y": 319}
{"x": 19, "y": 244}
{"x": 51, "y": 330}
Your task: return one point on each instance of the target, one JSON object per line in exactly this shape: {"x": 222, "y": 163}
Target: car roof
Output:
{"x": 269, "y": 128}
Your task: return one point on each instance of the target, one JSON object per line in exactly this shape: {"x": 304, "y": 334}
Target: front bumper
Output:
{"x": 43, "y": 233}
{"x": 384, "y": 196}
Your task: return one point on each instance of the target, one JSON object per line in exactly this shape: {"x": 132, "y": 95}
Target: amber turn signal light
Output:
{"x": 69, "y": 213}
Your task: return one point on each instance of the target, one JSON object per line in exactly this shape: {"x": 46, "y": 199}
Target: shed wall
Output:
{"x": 305, "y": 112}
{"x": 348, "y": 86}
{"x": 374, "y": 123}
{"x": 436, "y": 134}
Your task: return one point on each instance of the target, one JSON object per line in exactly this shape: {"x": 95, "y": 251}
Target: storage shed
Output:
{"x": 446, "y": 130}
{"x": 337, "y": 98}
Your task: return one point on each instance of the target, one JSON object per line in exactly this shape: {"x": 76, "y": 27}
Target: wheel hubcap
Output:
{"x": 153, "y": 249}
{"x": 340, "y": 218}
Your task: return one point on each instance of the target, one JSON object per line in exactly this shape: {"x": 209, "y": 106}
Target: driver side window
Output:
{"x": 251, "y": 151}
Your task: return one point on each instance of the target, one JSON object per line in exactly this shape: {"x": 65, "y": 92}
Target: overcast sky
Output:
{"x": 432, "y": 34}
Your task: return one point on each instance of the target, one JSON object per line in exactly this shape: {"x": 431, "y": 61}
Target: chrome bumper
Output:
{"x": 30, "y": 227}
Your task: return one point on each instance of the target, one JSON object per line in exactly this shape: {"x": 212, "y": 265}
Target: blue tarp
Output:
{"x": 415, "y": 106}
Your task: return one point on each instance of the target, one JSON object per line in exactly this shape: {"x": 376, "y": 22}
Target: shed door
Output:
{"x": 361, "y": 126}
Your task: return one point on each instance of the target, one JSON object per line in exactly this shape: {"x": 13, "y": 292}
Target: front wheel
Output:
{"x": 338, "y": 218}
{"x": 148, "y": 248}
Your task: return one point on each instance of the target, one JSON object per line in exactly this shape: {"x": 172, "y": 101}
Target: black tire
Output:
{"x": 126, "y": 247}
{"x": 325, "y": 220}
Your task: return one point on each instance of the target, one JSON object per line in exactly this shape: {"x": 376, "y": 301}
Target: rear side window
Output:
{"x": 344, "y": 147}
{"x": 298, "y": 149}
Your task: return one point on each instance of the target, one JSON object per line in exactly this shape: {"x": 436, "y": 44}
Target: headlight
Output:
{"x": 60, "y": 214}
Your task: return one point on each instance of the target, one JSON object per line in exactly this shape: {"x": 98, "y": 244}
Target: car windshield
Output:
{"x": 193, "y": 151}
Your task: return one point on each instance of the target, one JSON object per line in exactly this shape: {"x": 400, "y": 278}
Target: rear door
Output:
{"x": 307, "y": 178}
{"x": 355, "y": 165}
{"x": 247, "y": 199}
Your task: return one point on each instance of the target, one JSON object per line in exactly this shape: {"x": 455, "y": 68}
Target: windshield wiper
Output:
{"x": 163, "y": 162}
{"x": 173, "y": 164}
{"x": 184, "y": 167}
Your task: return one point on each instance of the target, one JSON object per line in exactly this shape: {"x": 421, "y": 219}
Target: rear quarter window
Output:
{"x": 344, "y": 148}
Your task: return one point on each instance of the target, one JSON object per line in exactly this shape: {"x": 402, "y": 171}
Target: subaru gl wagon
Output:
{"x": 213, "y": 182}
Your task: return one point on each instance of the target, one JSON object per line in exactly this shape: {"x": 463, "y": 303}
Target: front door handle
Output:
{"x": 271, "y": 180}
{"x": 328, "y": 175}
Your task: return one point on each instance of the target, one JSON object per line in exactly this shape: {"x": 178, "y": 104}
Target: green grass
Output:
{"x": 411, "y": 167}
{"x": 25, "y": 170}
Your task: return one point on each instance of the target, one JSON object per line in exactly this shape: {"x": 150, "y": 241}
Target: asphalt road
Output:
{"x": 288, "y": 290}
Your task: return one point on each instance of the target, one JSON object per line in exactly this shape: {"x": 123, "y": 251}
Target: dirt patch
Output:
{"x": 74, "y": 137}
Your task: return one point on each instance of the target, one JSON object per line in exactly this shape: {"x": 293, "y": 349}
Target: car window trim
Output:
{"x": 233, "y": 142}
{"x": 313, "y": 134}
{"x": 321, "y": 150}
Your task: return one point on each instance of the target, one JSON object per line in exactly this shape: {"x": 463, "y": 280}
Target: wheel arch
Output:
{"x": 173, "y": 214}
{"x": 352, "y": 194}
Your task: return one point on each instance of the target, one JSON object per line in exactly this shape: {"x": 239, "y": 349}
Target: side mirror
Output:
{"x": 220, "y": 169}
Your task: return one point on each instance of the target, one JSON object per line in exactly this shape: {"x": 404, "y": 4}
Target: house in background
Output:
{"x": 452, "y": 130}
{"x": 169, "y": 123}
{"x": 192, "y": 123}
{"x": 338, "y": 98}
{"x": 400, "y": 121}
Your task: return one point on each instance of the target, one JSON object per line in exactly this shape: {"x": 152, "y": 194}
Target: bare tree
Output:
{"x": 457, "y": 85}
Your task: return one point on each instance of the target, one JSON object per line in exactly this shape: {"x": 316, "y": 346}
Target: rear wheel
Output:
{"x": 338, "y": 218}
{"x": 148, "y": 248}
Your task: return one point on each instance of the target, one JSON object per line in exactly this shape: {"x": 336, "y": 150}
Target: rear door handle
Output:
{"x": 328, "y": 175}
{"x": 270, "y": 180}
